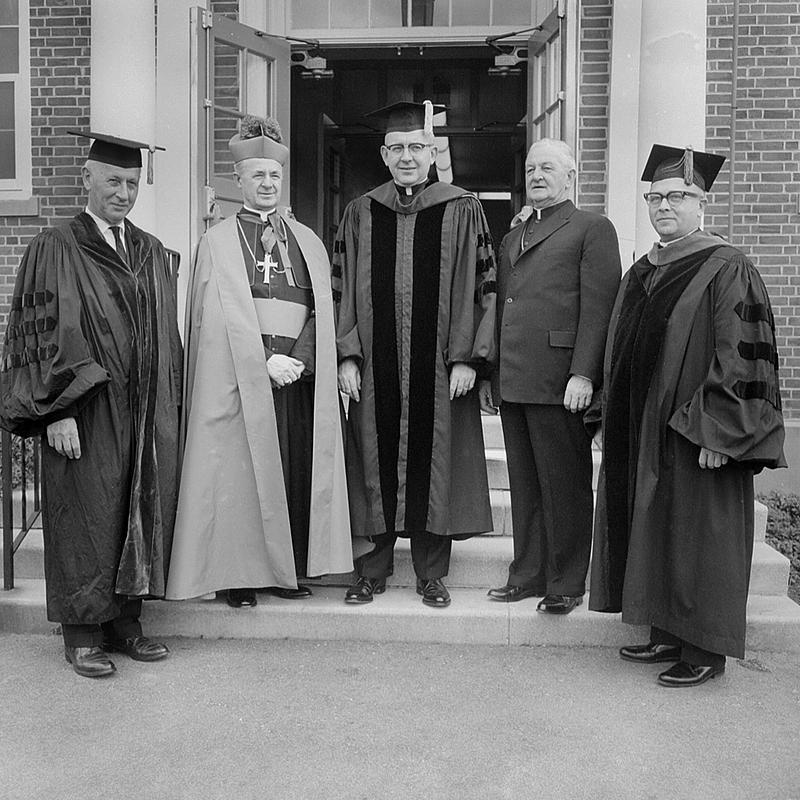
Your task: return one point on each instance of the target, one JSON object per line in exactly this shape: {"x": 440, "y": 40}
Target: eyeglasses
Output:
{"x": 415, "y": 148}
{"x": 654, "y": 199}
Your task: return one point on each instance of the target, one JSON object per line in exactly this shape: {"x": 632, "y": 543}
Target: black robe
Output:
{"x": 691, "y": 362}
{"x": 93, "y": 338}
{"x": 416, "y": 292}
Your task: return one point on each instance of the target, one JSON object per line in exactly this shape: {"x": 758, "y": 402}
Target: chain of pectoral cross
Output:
{"x": 263, "y": 267}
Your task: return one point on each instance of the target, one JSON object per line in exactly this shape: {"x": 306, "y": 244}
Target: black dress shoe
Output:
{"x": 684, "y": 674}
{"x": 300, "y": 593}
{"x": 241, "y": 598}
{"x": 363, "y": 590}
{"x": 510, "y": 594}
{"x": 558, "y": 603}
{"x": 139, "y": 648}
{"x": 434, "y": 592}
{"x": 651, "y": 653}
{"x": 89, "y": 662}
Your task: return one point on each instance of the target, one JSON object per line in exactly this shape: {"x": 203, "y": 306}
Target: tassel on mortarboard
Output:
{"x": 692, "y": 166}
{"x": 427, "y": 126}
{"x": 688, "y": 166}
{"x": 150, "y": 151}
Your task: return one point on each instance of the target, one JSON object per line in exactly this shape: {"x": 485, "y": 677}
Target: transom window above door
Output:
{"x": 385, "y": 14}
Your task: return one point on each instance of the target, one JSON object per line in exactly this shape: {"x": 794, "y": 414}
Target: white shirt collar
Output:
{"x": 102, "y": 224}
{"x": 263, "y": 214}
{"x": 679, "y": 239}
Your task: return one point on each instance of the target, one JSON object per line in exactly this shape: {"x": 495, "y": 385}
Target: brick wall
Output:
{"x": 594, "y": 69}
{"x": 767, "y": 173}
{"x": 60, "y": 36}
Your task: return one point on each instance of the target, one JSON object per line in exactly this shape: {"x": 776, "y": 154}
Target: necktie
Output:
{"x": 118, "y": 246}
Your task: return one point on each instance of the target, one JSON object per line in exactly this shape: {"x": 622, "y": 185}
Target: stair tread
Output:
{"x": 398, "y": 615}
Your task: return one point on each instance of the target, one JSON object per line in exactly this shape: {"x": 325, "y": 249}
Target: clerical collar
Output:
{"x": 408, "y": 193}
{"x": 262, "y": 215}
{"x": 679, "y": 239}
{"x": 539, "y": 214}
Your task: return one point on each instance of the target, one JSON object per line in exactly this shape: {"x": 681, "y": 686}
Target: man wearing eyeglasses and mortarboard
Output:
{"x": 413, "y": 265}
{"x": 691, "y": 410}
{"x": 92, "y": 363}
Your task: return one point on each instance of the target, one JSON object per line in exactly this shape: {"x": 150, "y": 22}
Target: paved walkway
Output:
{"x": 290, "y": 720}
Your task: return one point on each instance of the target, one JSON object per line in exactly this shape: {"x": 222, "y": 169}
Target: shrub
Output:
{"x": 16, "y": 461}
{"x": 783, "y": 532}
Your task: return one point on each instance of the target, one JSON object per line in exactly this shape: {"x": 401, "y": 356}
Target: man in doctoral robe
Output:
{"x": 92, "y": 363}
{"x": 691, "y": 409}
{"x": 414, "y": 269}
{"x": 557, "y": 276}
{"x": 263, "y": 496}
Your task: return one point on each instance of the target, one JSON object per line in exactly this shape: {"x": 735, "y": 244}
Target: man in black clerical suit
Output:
{"x": 557, "y": 276}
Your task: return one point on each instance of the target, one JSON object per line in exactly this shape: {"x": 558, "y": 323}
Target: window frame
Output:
{"x": 20, "y": 188}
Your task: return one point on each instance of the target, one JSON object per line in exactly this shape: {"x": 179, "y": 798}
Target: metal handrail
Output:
{"x": 11, "y": 542}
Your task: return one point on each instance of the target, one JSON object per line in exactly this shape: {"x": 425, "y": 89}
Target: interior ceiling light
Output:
{"x": 509, "y": 57}
{"x": 312, "y": 67}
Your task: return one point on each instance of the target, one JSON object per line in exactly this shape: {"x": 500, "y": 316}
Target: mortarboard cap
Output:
{"x": 693, "y": 166}
{"x": 406, "y": 116}
{"x": 118, "y": 152}
{"x": 259, "y": 137}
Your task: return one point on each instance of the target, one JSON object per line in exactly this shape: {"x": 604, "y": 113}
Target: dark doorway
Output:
{"x": 336, "y": 154}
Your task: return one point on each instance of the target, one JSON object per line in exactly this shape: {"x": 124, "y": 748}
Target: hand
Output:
{"x": 63, "y": 437}
{"x": 462, "y": 379}
{"x": 578, "y": 394}
{"x": 711, "y": 460}
{"x": 485, "y": 397}
{"x": 283, "y": 370}
{"x": 350, "y": 379}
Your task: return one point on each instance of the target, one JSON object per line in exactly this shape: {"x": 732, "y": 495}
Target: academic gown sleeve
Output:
{"x": 48, "y": 371}
{"x": 737, "y": 409}
{"x": 473, "y": 337}
{"x": 344, "y": 270}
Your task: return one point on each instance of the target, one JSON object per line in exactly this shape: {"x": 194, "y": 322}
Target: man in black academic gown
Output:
{"x": 92, "y": 363}
{"x": 691, "y": 409}
{"x": 413, "y": 269}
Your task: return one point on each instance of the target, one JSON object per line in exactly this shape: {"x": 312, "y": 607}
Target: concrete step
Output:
{"x": 497, "y": 468}
{"x": 480, "y": 563}
{"x": 398, "y": 616}
{"x": 492, "y": 431}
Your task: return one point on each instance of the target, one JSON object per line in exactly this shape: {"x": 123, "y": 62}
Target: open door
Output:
{"x": 239, "y": 70}
{"x": 517, "y": 181}
{"x": 330, "y": 166}
{"x": 546, "y": 79}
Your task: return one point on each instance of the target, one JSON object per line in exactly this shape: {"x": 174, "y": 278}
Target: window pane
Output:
{"x": 227, "y": 93}
{"x": 6, "y": 106}
{"x": 224, "y": 128}
{"x": 389, "y": 13}
{"x": 227, "y": 77}
{"x": 8, "y": 156}
{"x": 259, "y": 85}
{"x": 352, "y": 14}
{"x": 9, "y": 12}
{"x": 423, "y": 12}
{"x": 470, "y": 12}
{"x": 310, "y": 14}
{"x": 511, "y": 12}
{"x": 9, "y": 50}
